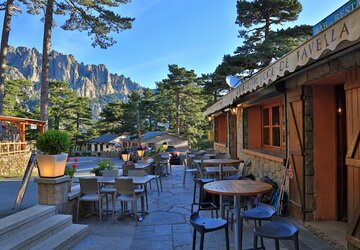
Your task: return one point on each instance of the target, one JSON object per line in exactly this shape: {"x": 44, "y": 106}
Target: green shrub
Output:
{"x": 53, "y": 142}
{"x": 102, "y": 165}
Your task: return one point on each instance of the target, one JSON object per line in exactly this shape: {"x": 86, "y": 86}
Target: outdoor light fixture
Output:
{"x": 140, "y": 151}
{"x": 209, "y": 118}
{"x": 234, "y": 110}
{"x": 125, "y": 155}
{"x": 165, "y": 145}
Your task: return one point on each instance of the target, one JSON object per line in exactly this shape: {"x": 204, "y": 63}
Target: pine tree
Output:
{"x": 15, "y": 97}
{"x": 96, "y": 17}
{"x": 261, "y": 43}
{"x": 111, "y": 118}
{"x": 183, "y": 100}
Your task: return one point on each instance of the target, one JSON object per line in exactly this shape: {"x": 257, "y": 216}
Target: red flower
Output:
{"x": 76, "y": 159}
{"x": 74, "y": 165}
{"x": 67, "y": 159}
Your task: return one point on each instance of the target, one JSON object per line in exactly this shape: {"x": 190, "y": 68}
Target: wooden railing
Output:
{"x": 14, "y": 147}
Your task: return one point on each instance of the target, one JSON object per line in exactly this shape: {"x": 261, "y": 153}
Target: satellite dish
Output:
{"x": 233, "y": 81}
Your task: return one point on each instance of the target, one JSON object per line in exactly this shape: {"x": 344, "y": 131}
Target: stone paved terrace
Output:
{"x": 167, "y": 225}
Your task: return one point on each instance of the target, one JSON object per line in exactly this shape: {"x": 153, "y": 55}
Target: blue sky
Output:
{"x": 194, "y": 34}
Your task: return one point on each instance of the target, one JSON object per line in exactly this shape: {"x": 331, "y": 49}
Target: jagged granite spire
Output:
{"x": 93, "y": 81}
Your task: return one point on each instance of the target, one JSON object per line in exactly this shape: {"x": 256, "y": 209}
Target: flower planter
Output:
{"x": 51, "y": 166}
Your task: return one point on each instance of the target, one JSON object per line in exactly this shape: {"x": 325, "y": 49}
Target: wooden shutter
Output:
{"x": 295, "y": 115}
{"x": 352, "y": 95}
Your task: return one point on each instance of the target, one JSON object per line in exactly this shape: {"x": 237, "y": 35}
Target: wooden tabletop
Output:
{"x": 217, "y": 169}
{"x": 238, "y": 187}
{"x": 220, "y": 161}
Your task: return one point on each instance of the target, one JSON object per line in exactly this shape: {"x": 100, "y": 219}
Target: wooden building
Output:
{"x": 305, "y": 107}
{"x": 157, "y": 138}
{"x": 105, "y": 143}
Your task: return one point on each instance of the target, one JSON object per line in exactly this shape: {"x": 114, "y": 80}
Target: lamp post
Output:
{"x": 140, "y": 152}
{"x": 125, "y": 155}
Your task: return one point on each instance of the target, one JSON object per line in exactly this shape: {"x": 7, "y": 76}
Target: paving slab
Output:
{"x": 165, "y": 227}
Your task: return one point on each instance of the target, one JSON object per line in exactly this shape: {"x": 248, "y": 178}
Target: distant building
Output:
{"x": 106, "y": 142}
{"x": 155, "y": 139}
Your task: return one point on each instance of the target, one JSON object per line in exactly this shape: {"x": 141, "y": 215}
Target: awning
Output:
{"x": 340, "y": 33}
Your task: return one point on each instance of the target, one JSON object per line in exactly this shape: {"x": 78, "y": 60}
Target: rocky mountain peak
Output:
{"x": 93, "y": 81}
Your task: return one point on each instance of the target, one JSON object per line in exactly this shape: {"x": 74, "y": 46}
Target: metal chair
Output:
{"x": 278, "y": 229}
{"x": 188, "y": 169}
{"x": 203, "y": 203}
{"x": 126, "y": 192}
{"x": 204, "y": 225}
{"x": 89, "y": 191}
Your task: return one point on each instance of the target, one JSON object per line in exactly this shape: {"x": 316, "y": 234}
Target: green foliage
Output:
{"x": 69, "y": 111}
{"x": 70, "y": 170}
{"x": 111, "y": 118}
{"x": 53, "y": 142}
{"x": 262, "y": 44}
{"x": 15, "y": 97}
{"x": 183, "y": 100}
{"x": 155, "y": 151}
{"x": 102, "y": 165}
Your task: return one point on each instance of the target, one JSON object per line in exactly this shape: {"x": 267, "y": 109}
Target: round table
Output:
{"x": 237, "y": 188}
{"x": 221, "y": 163}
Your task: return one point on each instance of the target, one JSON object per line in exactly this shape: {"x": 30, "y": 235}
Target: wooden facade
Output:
{"x": 321, "y": 126}
{"x": 352, "y": 94}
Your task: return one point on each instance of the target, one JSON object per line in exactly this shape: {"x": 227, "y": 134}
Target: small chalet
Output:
{"x": 105, "y": 143}
{"x": 304, "y": 109}
{"x": 155, "y": 139}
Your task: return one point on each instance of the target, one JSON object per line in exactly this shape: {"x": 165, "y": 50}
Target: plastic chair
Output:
{"x": 89, "y": 191}
{"x": 126, "y": 192}
{"x": 278, "y": 229}
{"x": 126, "y": 167}
{"x": 259, "y": 213}
{"x": 110, "y": 173}
{"x": 109, "y": 189}
{"x": 204, "y": 225}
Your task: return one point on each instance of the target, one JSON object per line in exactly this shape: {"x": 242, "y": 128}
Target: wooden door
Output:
{"x": 295, "y": 115}
{"x": 352, "y": 96}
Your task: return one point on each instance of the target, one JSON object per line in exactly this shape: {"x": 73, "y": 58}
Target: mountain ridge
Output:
{"x": 91, "y": 80}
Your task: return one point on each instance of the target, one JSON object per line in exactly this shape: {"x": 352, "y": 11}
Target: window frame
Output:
{"x": 270, "y": 126}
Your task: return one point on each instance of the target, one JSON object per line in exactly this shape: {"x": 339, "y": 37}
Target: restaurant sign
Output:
{"x": 347, "y": 29}
{"x": 335, "y": 16}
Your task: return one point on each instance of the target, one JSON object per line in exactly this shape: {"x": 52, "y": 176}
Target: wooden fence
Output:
{"x": 14, "y": 147}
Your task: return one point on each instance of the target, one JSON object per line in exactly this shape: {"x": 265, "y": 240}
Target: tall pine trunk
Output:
{"x": 177, "y": 115}
{"x": 44, "y": 98}
{"x": 4, "y": 49}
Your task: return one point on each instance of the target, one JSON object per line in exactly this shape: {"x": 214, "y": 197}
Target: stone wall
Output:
{"x": 309, "y": 153}
{"x": 259, "y": 166}
{"x": 13, "y": 165}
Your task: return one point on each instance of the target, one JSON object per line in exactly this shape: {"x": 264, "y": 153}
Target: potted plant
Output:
{"x": 52, "y": 158}
{"x": 102, "y": 165}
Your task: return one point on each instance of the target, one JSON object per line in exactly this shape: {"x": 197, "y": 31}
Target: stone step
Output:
{"x": 18, "y": 221}
{"x": 35, "y": 233}
{"x": 64, "y": 239}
